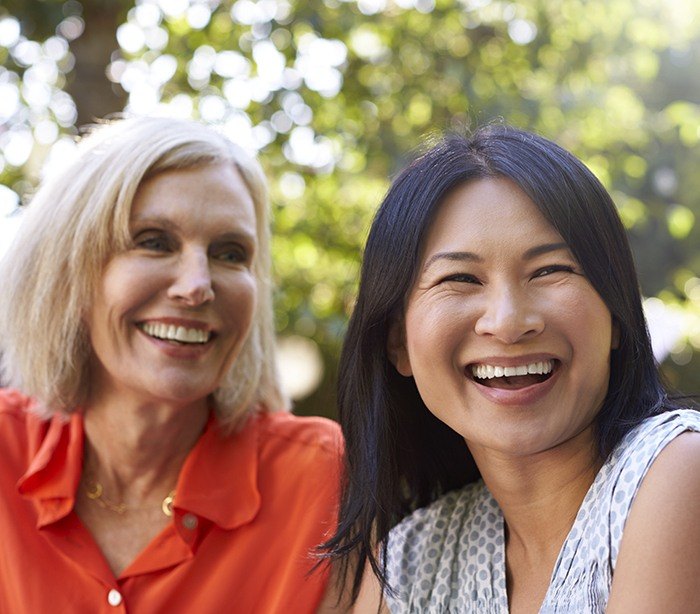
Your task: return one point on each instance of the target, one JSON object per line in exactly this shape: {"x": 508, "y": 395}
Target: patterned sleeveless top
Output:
{"x": 449, "y": 557}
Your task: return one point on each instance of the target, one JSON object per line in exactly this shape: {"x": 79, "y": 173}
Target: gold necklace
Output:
{"x": 95, "y": 492}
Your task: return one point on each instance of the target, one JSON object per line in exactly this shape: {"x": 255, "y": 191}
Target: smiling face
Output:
{"x": 508, "y": 342}
{"x": 173, "y": 310}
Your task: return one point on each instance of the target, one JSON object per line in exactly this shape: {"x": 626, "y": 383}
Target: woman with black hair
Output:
{"x": 510, "y": 445}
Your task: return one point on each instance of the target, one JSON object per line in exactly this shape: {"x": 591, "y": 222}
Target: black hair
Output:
{"x": 398, "y": 455}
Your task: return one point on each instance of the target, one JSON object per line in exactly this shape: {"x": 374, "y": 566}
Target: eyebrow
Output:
{"x": 530, "y": 254}
{"x": 165, "y": 223}
{"x": 547, "y": 248}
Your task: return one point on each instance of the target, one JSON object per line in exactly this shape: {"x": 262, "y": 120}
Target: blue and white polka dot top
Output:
{"x": 450, "y": 556}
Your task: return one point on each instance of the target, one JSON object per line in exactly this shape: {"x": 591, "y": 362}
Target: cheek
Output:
{"x": 434, "y": 334}
{"x": 240, "y": 302}
{"x": 581, "y": 314}
{"x": 591, "y": 322}
{"x": 113, "y": 306}
{"x": 589, "y": 326}
{"x": 124, "y": 286}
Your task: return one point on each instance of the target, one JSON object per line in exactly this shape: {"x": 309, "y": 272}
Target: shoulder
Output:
{"x": 668, "y": 449}
{"x": 22, "y": 431}
{"x": 662, "y": 427}
{"x": 13, "y": 402}
{"x": 18, "y": 415}
{"x": 636, "y": 452}
{"x": 659, "y": 559}
{"x": 631, "y": 459}
{"x": 633, "y": 463}
{"x": 675, "y": 474}
{"x": 303, "y": 447}
{"x": 298, "y": 431}
{"x": 622, "y": 474}
{"x": 299, "y": 465}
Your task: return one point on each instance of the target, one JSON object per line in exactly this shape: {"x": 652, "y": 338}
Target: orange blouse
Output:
{"x": 249, "y": 509}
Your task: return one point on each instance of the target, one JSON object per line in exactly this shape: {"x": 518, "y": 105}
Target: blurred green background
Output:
{"x": 334, "y": 95}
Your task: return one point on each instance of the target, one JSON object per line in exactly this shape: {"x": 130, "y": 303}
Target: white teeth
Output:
{"x": 511, "y": 371}
{"x": 175, "y": 333}
{"x": 491, "y": 371}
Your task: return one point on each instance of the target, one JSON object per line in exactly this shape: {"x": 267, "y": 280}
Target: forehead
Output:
{"x": 210, "y": 194}
{"x": 491, "y": 213}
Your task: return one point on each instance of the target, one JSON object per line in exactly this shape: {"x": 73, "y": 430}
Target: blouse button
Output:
{"x": 189, "y": 521}
{"x": 114, "y": 598}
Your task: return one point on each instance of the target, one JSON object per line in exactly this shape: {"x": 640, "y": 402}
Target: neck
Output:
{"x": 540, "y": 495}
{"x": 136, "y": 449}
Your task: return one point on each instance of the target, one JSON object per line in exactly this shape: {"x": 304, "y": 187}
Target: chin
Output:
{"x": 512, "y": 440}
{"x": 182, "y": 393}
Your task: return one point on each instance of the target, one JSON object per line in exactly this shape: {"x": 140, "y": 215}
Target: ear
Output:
{"x": 396, "y": 348}
{"x": 615, "y": 343}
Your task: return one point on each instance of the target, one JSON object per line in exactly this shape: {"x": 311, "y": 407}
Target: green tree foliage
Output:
{"x": 335, "y": 94}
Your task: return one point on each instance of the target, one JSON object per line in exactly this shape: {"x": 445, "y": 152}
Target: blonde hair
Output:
{"x": 75, "y": 223}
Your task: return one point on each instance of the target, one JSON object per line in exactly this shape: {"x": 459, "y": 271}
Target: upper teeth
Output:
{"x": 491, "y": 371}
{"x": 175, "y": 333}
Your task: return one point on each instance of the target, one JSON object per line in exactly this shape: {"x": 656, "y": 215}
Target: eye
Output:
{"x": 464, "y": 278}
{"x": 153, "y": 240}
{"x": 232, "y": 253}
{"x": 554, "y": 268}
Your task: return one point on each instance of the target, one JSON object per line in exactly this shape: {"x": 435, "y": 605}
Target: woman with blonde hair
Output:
{"x": 148, "y": 460}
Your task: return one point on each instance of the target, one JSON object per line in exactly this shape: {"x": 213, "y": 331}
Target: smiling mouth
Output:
{"x": 512, "y": 378}
{"x": 179, "y": 335}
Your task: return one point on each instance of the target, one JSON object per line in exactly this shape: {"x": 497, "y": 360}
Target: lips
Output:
{"x": 512, "y": 377}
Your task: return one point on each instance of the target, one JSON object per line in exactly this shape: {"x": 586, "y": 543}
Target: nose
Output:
{"x": 192, "y": 283}
{"x": 509, "y": 315}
